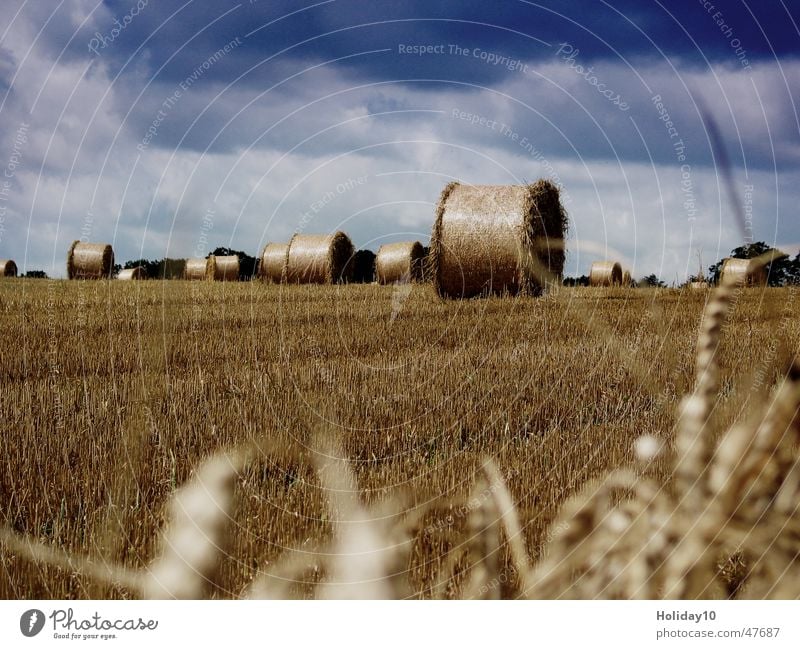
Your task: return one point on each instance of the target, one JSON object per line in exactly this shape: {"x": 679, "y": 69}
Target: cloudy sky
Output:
{"x": 166, "y": 126}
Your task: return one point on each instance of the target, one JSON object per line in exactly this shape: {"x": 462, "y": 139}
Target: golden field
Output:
{"x": 113, "y": 393}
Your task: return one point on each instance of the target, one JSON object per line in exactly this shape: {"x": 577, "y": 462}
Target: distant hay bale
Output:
{"x": 128, "y": 274}
{"x": 8, "y": 268}
{"x": 497, "y": 238}
{"x": 399, "y": 262}
{"x": 318, "y": 258}
{"x": 223, "y": 268}
{"x": 361, "y": 267}
{"x": 89, "y": 260}
{"x": 197, "y": 268}
{"x": 605, "y": 273}
{"x": 743, "y": 272}
{"x": 272, "y": 262}
{"x": 698, "y": 286}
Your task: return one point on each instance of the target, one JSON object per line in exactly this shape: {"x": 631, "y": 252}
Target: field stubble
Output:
{"x": 113, "y": 393}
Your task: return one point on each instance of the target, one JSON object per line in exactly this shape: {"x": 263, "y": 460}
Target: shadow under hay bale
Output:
{"x": 197, "y": 268}
{"x": 743, "y": 272}
{"x": 272, "y": 262}
{"x": 223, "y": 268}
{"x": 128, "y": 274}
{"x": 361, "y": 267}
{"x": 605, "y": 273}
{"x": 318, "y": 258}
{"x": 90, "y": 260}
{"x": 8, "y": 268}
{"x": 399, "y": 262}
{"x": 496, "y": 239}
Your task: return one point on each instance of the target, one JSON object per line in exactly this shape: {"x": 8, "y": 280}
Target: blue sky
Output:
{"x": 160, "y": 126}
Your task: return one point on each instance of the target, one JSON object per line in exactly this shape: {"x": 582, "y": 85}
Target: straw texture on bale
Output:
{"x": 132, "y": 273}
{"x": 605, "y": 273}
{"x": 8, "y": 268}
{"x": 497, "y": 238}
{"x": 400, "y": 262}
{"x": 197, "y": 268}
{"x": 743, "y": 272}
{"x": 224, "y": 268}
{"x": 89, "y": 260}
{"x": 318, "y": 258}
{"x": 272, "y": 262}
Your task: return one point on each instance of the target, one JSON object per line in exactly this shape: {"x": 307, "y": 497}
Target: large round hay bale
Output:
{"x": 497, "y": 238}
{"x": 605, "y": 273}
{"x": 224, "y": 268}
{"x": 743, "y": 272}
{"x": 272, "y": 262}
{"x": 89, "y": 260}
{"x": 197, "y": 268}
{"x": 129, "y": 274}
{"x": 8, "y": 268}
{"x": 399, "y": 262}
{"x": 318, "y": 258}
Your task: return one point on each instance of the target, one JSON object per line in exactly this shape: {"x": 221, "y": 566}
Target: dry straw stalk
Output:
{"x": 605, "y": 273}
{"x": 272, "y": 262}
{"x": 497, "y": 239}
{"x": 318, "y": 258}
{"x": 8, "y": 268}
{"x": 89, "y": 260}
{"x": 400, "y": 262}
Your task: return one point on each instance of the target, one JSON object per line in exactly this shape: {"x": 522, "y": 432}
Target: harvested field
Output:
{"x": 416, "y": 394}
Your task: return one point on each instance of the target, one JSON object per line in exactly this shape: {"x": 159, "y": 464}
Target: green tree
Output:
{"x": 652, "y": 280}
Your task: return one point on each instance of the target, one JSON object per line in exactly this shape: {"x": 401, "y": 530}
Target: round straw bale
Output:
{"x": 743, "y": 272}
{"x": 8, "y": 268}
{"x": 400, "y": 262}
{"x": 197, "y": 268}
{"x": 224, "y": 268}
{"x": 138, "y": 272}
{"x": 272, "y": 262}
{"x": 318, "y": 258}
{"x": 605, "y": 273}
{"x": 497, "y": 238}
{"x": 698, "y": 286}
{"x": 89, "y": 260}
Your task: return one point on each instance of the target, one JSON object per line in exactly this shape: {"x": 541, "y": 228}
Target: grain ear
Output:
{"x": 196, "y": 534}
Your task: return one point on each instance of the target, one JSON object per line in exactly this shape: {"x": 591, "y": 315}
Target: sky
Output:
{"x": 168, "y": 128}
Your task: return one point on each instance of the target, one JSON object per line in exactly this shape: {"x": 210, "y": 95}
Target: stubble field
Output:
{"x": 113, "y": 393}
